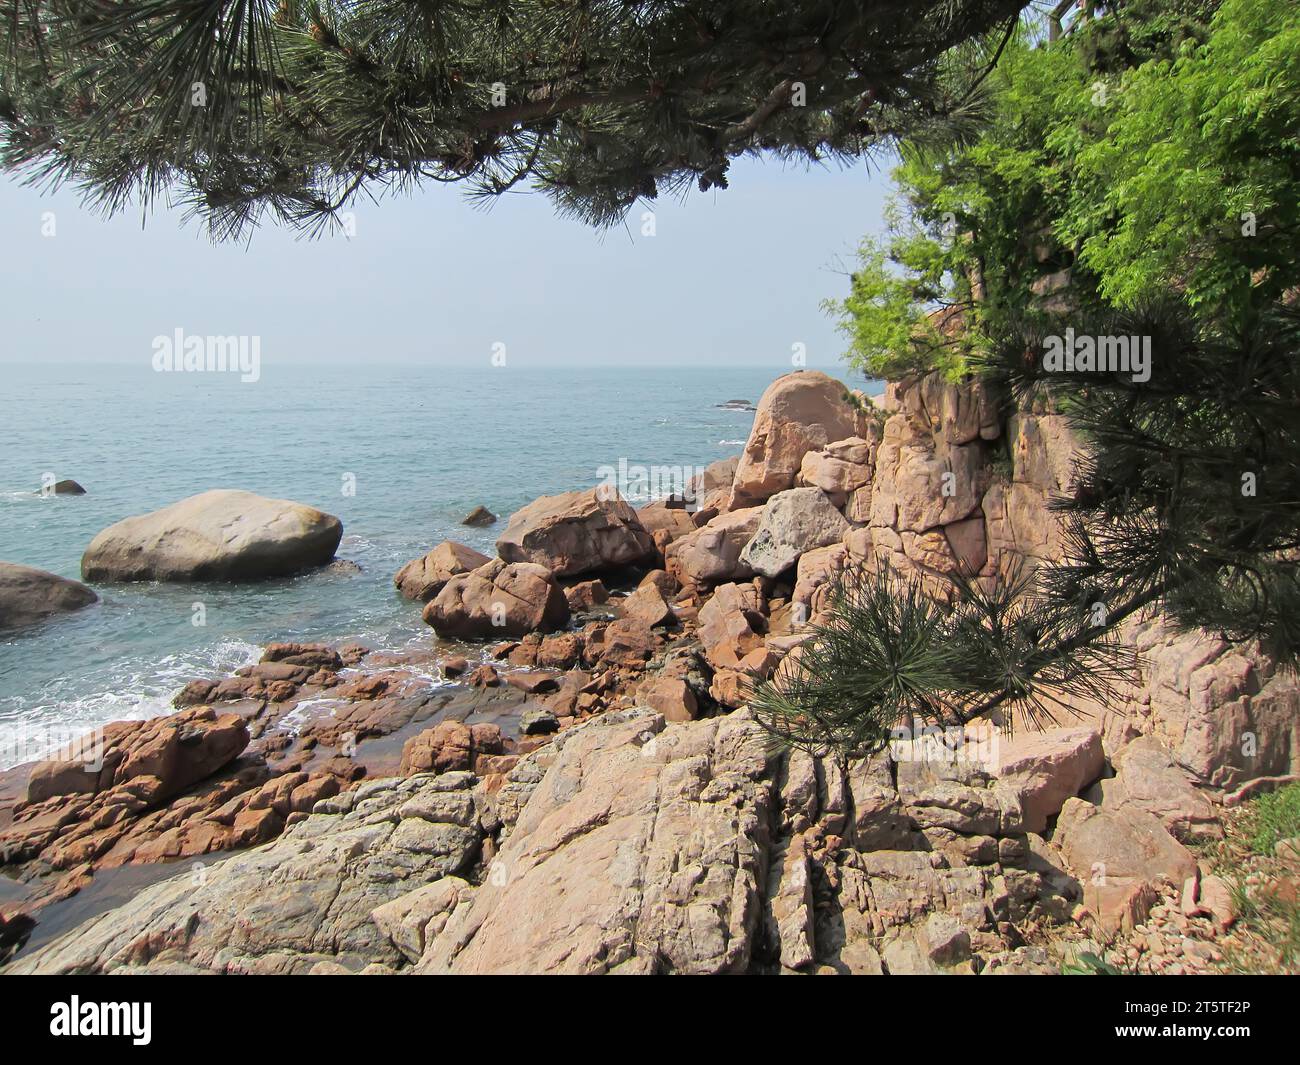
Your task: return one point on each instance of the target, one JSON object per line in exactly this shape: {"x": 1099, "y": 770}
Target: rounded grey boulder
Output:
{"x": 29, "y": 595}
{"x": 222, "y": 535}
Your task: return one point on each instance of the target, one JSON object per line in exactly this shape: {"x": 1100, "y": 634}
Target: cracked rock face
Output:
{"x": 301, "y": 903}
{"x": 642, "y": 849}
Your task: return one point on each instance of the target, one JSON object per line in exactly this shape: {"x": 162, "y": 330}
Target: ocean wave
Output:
{"x": 132, "y": 691}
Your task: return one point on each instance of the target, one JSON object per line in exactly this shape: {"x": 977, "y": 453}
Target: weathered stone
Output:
{"x": 670, "y": 696}
{"x": 425, "y": 577}
{"x": 647, "y": 606}
{"x": 712, "y": 554}
{"x": 222, "y": 535}
{"x": 1048, "y": 767}
{"x": 1119, "y": 856}
{"x": 576, "y": 533}
{"x": 800, "y": 412}
{"x": 30, "y": 595}
{"x": 793, "y": 522}
{"x": 498, "y": 599}
{"x": 480, "y": 517}
{"x": 283, "y": 908}
{"x": 642, "y": 849}
{"x": 1148, "y": 777}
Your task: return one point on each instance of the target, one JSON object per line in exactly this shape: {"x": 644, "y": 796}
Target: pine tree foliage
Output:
{"x": 889, "y": 653}
{"x": 243, "y": 107}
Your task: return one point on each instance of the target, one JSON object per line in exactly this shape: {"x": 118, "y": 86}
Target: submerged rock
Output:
{"x": 479, "y": 517}
{"x": 29, "y": 595}
{"x": 222, "y": 535}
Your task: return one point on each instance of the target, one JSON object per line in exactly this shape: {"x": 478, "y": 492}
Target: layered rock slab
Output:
{"x": 289, "y": 906}
{"x": 643, "y": 849}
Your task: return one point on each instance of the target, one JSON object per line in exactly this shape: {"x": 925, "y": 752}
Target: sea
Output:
{"x": 400, "y": 453}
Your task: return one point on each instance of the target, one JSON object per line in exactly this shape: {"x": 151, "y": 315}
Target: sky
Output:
{"x": 729, "y": 277}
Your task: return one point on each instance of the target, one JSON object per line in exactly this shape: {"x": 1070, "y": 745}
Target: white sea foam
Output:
{"x": 135, "y": 692}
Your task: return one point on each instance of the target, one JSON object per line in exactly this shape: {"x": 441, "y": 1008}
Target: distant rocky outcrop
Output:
{"x": 29, "y": 595}
{"x": 222, "y": 535}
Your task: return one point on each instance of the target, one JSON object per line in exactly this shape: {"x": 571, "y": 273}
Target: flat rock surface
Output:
{"x": 292, "y": 904}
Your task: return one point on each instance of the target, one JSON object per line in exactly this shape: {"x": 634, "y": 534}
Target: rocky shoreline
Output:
{"x": 570, "y": 781}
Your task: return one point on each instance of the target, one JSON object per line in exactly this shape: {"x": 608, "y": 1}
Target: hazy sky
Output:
{"x": 732, "y": 276}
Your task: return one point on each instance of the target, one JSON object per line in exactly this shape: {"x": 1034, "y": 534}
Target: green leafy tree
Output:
{"x": 241, "y": 108}
{"x": 1124, "y": 153}
{"x": 1153, "y": 150}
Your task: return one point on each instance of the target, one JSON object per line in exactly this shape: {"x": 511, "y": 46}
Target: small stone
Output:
{"x": 479, "y": 517}
{"x": 538, "y": 721}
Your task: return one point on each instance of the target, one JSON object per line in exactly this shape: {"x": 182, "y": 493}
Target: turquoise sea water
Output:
{"x": 424, "y": 444}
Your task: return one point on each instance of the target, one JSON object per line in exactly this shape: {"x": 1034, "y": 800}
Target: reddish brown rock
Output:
{"x": 669, "y": 696}
{"x": 449, "y": 745}
{"x": 500, "y": 598}
{"x": 662, "y": 517}
{"x": 647, "y": 606}
{"x": 455, "y": 666}
{"x": 626, "y": 643}
{"x": 711, "y": 555}
{"x": 425, "y": 577}
{"x": 313, "y": 655}
{"x": 484, "y": 676}
{"x": 561, "y": 651}
{"x": 576, "y": 533}
{"x": 800, "y": 412}
{"x": 533, "y": 683}
{"x": 585, "y": 595}
{"x": 731, "y": 624}
{"x": 175, "y": 751}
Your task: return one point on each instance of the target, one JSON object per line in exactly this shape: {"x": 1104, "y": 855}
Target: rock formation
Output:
{"x": 577, "y": 532}
{"x": 29, "y": 595}
{"x": 222, "y": 535}
{"x": 425, "y": 577}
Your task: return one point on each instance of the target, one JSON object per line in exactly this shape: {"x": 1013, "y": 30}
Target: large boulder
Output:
{"x": 712, "y": 553}
{"x": 29, "y": 595}
{"x": 800, "y": 412}
{"x": 499, "y": 599}
{"x": 222, "y": 535}
{"x": 576, "y": 532}
{"x": 642, "y": 849}
{"x": 793, "y": 522}
{"x": 425, "y": 577}
{"x": 1120, "y": 856}
{"x": 1147, "y": 776}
